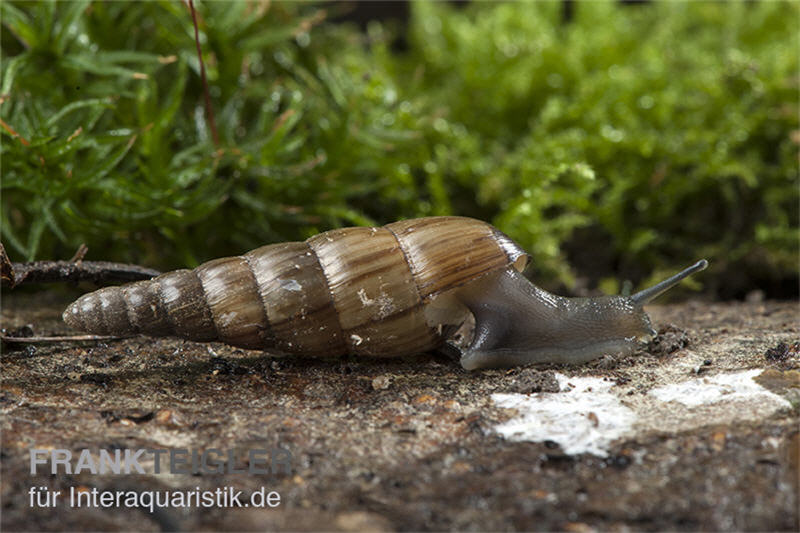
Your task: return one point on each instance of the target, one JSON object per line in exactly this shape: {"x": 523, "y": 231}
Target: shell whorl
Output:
{"x": 357, "y": 290}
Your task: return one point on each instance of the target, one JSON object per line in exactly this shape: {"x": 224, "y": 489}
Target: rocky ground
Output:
{"x": 699, "y": 432}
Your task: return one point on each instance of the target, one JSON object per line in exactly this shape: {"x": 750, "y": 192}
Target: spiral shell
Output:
{"x": 365, "y": 291}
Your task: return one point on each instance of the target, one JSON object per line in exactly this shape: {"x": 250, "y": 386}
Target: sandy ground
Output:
{"x": 678, "y": 437}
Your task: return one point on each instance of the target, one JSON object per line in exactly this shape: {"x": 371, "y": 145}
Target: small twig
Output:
{"x": 211, "y": 123}
{"x": 15, "y": 274}
{"x": 6, "y": 270}
{"x": 22, "y": 139}
{"x": 13, "y": 133}
{"x": 60, "y": 271}
{"x": 80, "y": 253}
{"x": 31, "y": 340}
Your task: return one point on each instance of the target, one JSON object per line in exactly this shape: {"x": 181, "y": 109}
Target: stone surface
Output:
{"x": 414, "y": 443}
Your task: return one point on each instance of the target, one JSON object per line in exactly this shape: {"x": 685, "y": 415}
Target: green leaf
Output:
{"x": 69, "y": 15}
{"x": 20, "y": 24}
{"x": 104, "y": 103}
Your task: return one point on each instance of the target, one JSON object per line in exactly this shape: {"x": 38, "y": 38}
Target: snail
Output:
{"x": 399, "y": 289}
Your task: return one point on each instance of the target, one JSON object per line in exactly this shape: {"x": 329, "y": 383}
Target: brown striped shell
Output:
{"x": 368, "y": 291}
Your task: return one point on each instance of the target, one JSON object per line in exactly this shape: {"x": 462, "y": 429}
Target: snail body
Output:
{"x": 399, "y": 289}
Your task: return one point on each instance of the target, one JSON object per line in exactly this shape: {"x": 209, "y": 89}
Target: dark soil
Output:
{"x": 406, "y": 444}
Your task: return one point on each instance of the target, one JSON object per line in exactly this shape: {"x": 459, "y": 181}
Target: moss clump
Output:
{"x": 630, "y": 140}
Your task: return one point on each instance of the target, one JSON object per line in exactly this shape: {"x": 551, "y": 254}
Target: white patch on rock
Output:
{"x": 719, "y": 388}
{"x": 585, "y": 417}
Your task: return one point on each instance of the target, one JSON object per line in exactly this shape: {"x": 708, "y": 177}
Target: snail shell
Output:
{"x": 385, "y": 291}
{"x": 395, "y": 290}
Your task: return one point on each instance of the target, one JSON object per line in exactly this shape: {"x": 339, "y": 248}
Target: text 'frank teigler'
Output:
{"x": 161, "y": 460}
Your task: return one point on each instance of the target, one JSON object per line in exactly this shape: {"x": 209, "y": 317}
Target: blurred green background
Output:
{"x": 614, "y": 142}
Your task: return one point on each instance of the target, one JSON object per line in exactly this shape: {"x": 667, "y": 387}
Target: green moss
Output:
{"x": 632, "y": 139}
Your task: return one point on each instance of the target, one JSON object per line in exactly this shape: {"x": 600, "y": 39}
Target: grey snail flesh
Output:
{"x": 396, "y": 290}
